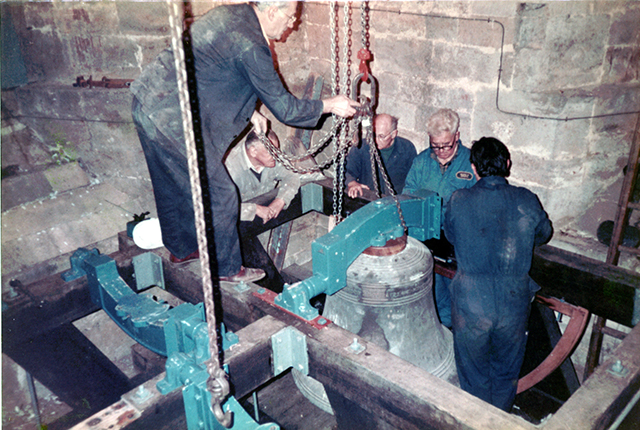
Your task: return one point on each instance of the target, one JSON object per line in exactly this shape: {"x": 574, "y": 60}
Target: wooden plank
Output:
{"x": 51, "y": 302}
{"x": 282, "y": 399}
{"x": 603, "y": 290}
{"x": 393, "y": 393}
{"x": 604, "y": 395}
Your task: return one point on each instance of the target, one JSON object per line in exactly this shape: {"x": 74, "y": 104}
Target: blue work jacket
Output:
{"x": 234, "y": 68}
{"x": 494, "y": 227}
{"x": 426, "y": 174}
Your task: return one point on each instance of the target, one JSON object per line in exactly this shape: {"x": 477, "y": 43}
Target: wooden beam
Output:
{"x": 606, "y": 393}
{"x": 393, "y": 393}
{"x": 602, "y": 289}
{"x": 249, "y": 366}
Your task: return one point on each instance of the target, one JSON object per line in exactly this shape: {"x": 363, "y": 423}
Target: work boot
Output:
{"x": 245, "y": 274}
{"x": 179, "y": 261}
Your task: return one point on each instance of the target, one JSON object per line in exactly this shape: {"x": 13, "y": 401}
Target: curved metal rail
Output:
{"x": 565, "y": 346}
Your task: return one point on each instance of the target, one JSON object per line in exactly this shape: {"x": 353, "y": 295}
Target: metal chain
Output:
{"x": 374, "y": 149}
{"x": 346, "y": 73}
{"x": 335, "y": 54}
{"x": 369, "y": 139}
{"x": 364, "y": 23}
{"x": 217, "y": 382}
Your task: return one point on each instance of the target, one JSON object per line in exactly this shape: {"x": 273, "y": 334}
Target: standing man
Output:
{"x": 442, "y": 168}
{"x": 494, "y": 227}
{"x": 397, "y": 155}
{"x": 234, "y": 68}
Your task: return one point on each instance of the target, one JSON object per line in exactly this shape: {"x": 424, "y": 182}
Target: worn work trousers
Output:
{"x": 169, "y": 171}
{"x": 490, "y": 337}
{"x": 443, "y": 299}
{"x": 254, "y": 253}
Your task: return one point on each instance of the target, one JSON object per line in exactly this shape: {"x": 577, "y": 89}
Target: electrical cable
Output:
{"x": 493, "y": 21}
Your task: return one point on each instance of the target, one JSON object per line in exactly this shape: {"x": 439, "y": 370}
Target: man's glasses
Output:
{"x": 444, "y": 147}
{"x": 384, "y": 136}
{"x": 292, "y": 18}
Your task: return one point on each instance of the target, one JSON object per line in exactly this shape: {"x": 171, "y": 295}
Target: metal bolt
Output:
{"x": 617, "y": 369}
{"x": 355, "y": 345}
{"x": 617, "y": 366}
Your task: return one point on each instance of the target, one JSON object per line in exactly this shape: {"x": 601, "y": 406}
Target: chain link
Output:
{"x": 335, "y": 51}
{"x": 364, "y": 23}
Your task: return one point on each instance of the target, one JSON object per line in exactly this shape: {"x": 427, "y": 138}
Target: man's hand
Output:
{"x": 354, "y": 189}
{"x": 260, "y": 123}
{"x": 263, "y": 212}
{"x": 276, "y": 207}
{"x": 340, "y": 105}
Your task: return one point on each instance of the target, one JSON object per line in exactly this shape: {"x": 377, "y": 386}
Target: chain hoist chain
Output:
{"x": 385, "y": 177}
{"x": 336, "y": 153}
{"x": 346, "y": 50}
{"x": 335, "y": 50}
{"x": 217, "y": 383}
{"x": 364, "y": 23}
{"x": 287, "y": 160}
{"x": 369, "y": 139}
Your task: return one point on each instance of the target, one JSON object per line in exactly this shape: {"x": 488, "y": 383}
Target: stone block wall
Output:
{"x": 558, "y": 82}
{"x": 518, "y": 71}
{"x": 73, "y": 175}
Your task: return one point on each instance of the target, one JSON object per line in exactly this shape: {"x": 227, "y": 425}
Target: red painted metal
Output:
{"x": 269, "y": 296}
{"x": 565, "y": 346}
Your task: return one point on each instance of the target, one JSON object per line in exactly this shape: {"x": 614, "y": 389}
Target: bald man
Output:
{"x": 397, "y": 156}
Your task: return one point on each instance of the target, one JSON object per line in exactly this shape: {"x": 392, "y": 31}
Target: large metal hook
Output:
{"x": 219, "y": 388}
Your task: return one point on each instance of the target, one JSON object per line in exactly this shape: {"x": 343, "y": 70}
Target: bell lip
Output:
{"x": 392, "y": 247}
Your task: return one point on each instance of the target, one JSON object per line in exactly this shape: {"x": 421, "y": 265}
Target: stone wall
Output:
{"x": 73, "y": 169}
{"x": 557, "y": 61}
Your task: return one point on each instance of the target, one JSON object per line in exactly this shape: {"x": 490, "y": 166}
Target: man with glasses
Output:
{"x": 443, "y": 168}
{"x": 233, "y": 69}
{"x": 396, "y": 153}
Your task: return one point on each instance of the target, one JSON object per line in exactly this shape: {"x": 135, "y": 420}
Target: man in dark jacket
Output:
{"x": 397, "y": 156}
{"x": 494, "y": 227}
{"x": 234, "y": 68}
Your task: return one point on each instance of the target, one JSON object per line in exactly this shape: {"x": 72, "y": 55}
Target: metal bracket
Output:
{"x": 148, "y": 271}
{"x": 371, "y": 225}
{"x": 311, "y": 195}
{"x": 289, "y": 350}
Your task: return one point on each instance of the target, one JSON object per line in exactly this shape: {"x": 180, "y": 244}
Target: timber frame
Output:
{"x": 374, "y": 390}
{"x": 378, "y": 389}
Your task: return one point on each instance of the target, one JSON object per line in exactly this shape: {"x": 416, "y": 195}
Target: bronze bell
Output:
{"x": 388, "y": 300}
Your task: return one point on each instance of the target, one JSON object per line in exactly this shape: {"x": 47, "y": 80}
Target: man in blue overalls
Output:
{"x": 494, "y": 227}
